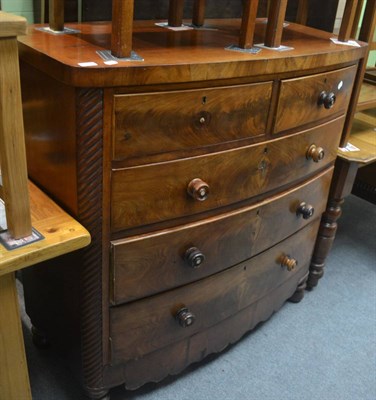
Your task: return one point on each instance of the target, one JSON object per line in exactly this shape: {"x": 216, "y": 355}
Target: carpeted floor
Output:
{"x": 323, "y": 348}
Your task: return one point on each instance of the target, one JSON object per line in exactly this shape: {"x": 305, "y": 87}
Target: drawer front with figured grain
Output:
{"x": 143, "y": 326}
{"x": 163, "y": 191}
{"x": 147, "y": 264}
{"x": 154, "y": 123}
{"x": 312, "y": 98}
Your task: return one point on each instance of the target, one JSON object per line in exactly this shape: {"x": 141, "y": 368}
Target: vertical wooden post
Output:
{"x": 175, "y": 13}
{"x": 56, "y": 15}
{"x": 369, "y": 22}
{"x": 122, "y": 28}
{"x": 358, "y": 13}
{"x": 12, "y": 141}
{"x": 347, "y": 20}
{"x": 302, "y": 13}
{"x": 276, "y": 18}
{"x": 14, "y": 377}
{"x": 247, "y": 29}
{"x": 199, "y": 12}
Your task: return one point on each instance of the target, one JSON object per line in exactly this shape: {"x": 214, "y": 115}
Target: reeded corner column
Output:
{"x": 276, "y": 18}
{"x": 122, "y": 28}
{"x": 175, "y": 13}
{"x": 198, "y": 18}
{"x": 56, "y": 15}
{"x": 248, "y": 25}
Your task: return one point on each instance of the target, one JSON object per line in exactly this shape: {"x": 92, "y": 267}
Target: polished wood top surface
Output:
{"x": 183, "y": 56}
{"x": 11, "y": 25}
{"x": 62, "y": 234}
{"x": 363, "y": 136}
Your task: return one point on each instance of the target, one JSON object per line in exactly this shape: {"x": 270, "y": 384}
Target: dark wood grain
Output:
{"x": 152, "y": 123}
{"x": 118, "y": 145}
{"x": 148, "y": 264}
{"x": 157, "y": 192}
{"x": 198, "y": 55}
{"x": 303, "y": 95}
{"x": 212, "y": 300}
{"x": 157, "y": 365}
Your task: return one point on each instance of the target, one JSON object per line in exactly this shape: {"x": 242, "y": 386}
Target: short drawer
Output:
{"x": 144, "y": 326}
{"x": 158, "y": 192}
{"x": 153, "y": 123}
{"x": 312, "y": 98}
{"x": 147, "y": 264}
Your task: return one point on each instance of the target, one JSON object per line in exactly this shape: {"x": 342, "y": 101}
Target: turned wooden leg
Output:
{"x": 97, "y": 394}
{"x": 299, "y": 292}
{"x": 343, "y": 180}
{"x": 324, "y": 241}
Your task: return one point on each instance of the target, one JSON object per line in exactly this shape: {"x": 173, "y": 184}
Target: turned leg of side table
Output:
{"x": 14, "y": 376}
{"x": 343, "y": 180}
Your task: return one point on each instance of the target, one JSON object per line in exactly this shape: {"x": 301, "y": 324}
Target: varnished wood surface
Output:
{"x": 12, "y": 140}
{"x": 157, "y": 365}
{"x": 14, "y": 377}
{"x": 302, "y": 94}
{"x": 363, "y": 136}
{"x": 49, "y": 114}
{"x": 198, "y": 54}
{"x": 347, "y": 22}
{"x": 276, "y": 18}
{"x": 62, "y": 235}
{"x": 247, "y": 29}
{"x": 122, "y": 23}
{"x": 148, "y": 264}
{"x": 56, "y": 15}
{"x": 212, "y": 300}
{"x": 367, "y": 96}
{"x": 152, "y": 123}
{"x": 11, "y": 25}
{"x": 159, "y": 191}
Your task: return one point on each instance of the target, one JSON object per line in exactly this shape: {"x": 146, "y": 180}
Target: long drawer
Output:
{"x": 315, "y": 97}
{"x": 158, "y": 192}
{"x": 151, "y": 123}
{"x": 147, "y": 264}
{"x": 143, "y": 326}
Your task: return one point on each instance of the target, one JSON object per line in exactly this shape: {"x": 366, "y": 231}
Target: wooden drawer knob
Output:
{"x": 289, "y": 263}
{"x": 194, "y": 257}
{"x": 305, "y": 210}
{"x": 198, "y": 189}
{"x": 185, "y": 317}
{"x": 315, "y": 153}
{"x": 327, "y": 99}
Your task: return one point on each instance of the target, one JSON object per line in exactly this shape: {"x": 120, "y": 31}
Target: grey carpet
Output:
{"x": 323, "y": 348}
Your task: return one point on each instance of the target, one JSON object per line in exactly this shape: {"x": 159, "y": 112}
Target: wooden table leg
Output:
{"x": 14, "y": 376}
{"x": 342, "y": 183}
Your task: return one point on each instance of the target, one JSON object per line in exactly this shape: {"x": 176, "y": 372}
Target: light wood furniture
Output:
{"x": 201, "y": 174}
{"x": 61, "y": 233}
{"x": 13, "y": 189}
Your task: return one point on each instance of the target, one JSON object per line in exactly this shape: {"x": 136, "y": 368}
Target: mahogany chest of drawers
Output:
{"x": 201, "y": 174}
